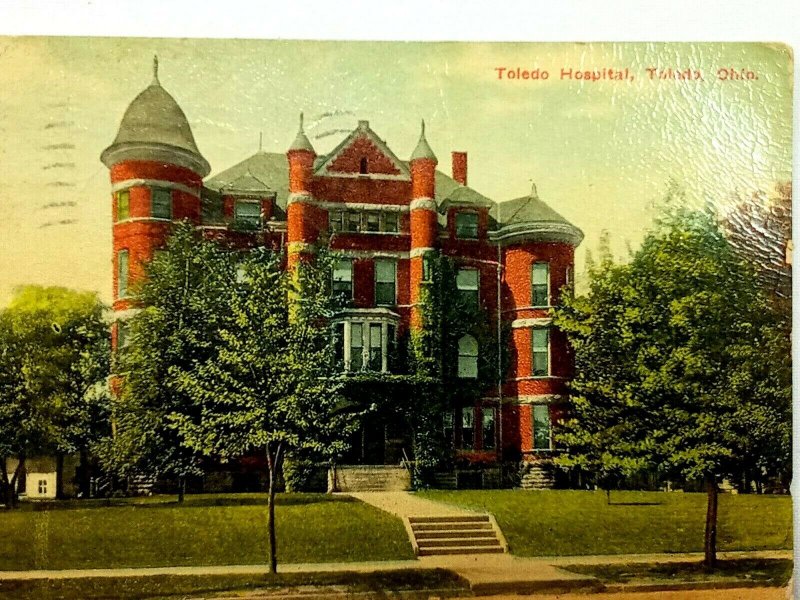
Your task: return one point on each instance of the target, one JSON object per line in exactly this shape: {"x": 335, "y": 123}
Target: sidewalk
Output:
{"x": 405, "y": 504}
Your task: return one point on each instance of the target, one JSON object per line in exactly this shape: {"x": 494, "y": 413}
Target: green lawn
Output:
{"x": 205, "y": 530}
{"x": 571, "y": 522}
{"x": 423, "y": 581}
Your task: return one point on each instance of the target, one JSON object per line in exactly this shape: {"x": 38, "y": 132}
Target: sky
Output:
{"x": 600, "y": 152}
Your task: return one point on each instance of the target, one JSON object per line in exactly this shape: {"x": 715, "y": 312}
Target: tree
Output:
{"x": 54, "y": 363}
{"x": 271, "y": 385}
{"x": 672, "y": 373}
{"x": 182, "y": 301}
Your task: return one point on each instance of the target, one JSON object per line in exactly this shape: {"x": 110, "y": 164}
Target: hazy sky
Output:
{"x": 600, "y": 152}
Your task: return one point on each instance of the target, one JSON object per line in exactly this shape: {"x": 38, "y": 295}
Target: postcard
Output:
{"x": 418, "y": 319}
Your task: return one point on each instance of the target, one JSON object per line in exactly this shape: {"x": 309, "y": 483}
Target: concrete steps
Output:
{"x": 456, "y": 534}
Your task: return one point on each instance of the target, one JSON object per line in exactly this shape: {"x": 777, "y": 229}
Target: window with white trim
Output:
{"x": 365, "y": 345}
{"x": 540, "y": 284}
{"x": 541, "y": 427}
{"x": 385, "y": 282}
{"x": 540, "y": 345}
{"x": 390, "y": 222}
{"x": 468, "y": 357}
{"x": 42, "y": 487}
{"x": 160, "y": 203}
{"x": 467, "y": 283}
{"x": 356, "y": 359}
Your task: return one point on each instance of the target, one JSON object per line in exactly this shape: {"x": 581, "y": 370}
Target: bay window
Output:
{"x": 365, "y": 344}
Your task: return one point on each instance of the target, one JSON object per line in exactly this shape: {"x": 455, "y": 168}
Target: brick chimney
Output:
{"x": 460, "y": 167}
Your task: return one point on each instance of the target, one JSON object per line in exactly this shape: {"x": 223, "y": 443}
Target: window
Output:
{"x": 160, "y": 204}
{"x": 385, "y": 282}
{"x": 540, "y": 284}
{"x": 447, "y": 427}
{"x": 248, "y": 213}
{"x": 391, "y": 223}
{"x": 335, "y": 220}
{"x": 356, "y": 346}
{"x": 487, "y": 415}
{"x": 467, "y": 428}
{"x": 362, "y": 167}
{"x": 123, "y": 205}
{"x": 123, "y": 334}
{"x": 375, "y": 347}
{"x": 541, "y": 352}
{"x": 353, "y": 223}
{"x": 373, "y": 222}
{"x": 468, "y": 357}
{"x": 122, "y": 273}
{"x": 365, "y": 345}
{"x": 541, "y": 427}
{"x": 42, "y": 487}
{"x": 338, "y": 345}
{"x": 427, "y": 267}
{"x": 467, "y": 225}
{"x": 568, "y": 276}
{"x": 343, "y": 279}
{"x": 391, "y": 348}
{"x": 467, "y": 284}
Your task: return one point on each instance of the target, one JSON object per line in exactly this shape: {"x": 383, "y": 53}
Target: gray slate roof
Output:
{"x": 272, "y": 170}
{"x": 526, "y": 209}
{"x": 155, "y": 117}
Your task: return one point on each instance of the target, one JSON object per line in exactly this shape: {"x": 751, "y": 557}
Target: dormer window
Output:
{"x": 248, "y": 213}
{"x": 362, "y": 168}
{"x": 467, "y": 225}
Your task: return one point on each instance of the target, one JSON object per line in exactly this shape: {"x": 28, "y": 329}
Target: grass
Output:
{"x": 170, "y": 586}
{"x": 767, "y": 572}
{"x": 205, "y": 530}
{"x": 572, "y": 522}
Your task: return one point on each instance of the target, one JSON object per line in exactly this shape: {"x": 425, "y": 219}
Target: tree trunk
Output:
{"x": 84, "y": 484}
{"x": 272, "y": 465}
{"x": 181, "y": 488}
{"x": 5, "y": 490}
{"x": 59, "y": 476}
{"x": 13, "y": 500}
{"x": 712, "y": 490}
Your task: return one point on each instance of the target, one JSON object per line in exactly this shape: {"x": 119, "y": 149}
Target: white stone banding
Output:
{"x": 154, "y": 183}
{"x": 423, "y": 204}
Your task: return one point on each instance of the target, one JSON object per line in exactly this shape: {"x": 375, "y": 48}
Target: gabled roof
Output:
{"x": 362, "y": 131}
{"x": 247, "y": 183}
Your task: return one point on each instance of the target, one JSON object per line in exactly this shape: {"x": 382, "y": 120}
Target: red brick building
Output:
{"x": 383, "y": 214}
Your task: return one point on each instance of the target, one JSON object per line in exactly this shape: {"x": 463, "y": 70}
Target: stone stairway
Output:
{"x": 371, "y": 478}
{"x": 456, "y": 534}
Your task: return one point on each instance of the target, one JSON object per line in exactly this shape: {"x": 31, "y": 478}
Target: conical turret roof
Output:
{"x": 423, "y": 149}
{"x": 155, "y": 118}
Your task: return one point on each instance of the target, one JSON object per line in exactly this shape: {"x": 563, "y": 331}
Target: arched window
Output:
{"x": 468, "y": 357}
